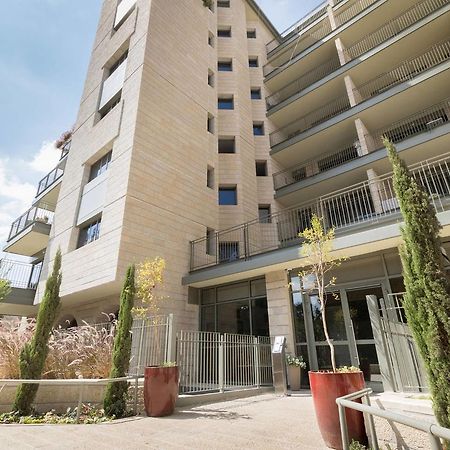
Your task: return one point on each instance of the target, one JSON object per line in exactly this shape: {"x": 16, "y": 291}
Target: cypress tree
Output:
{"x": 427, "y": 298}
{"x": 116, "y": 393}
{"x": 33, "y": 355}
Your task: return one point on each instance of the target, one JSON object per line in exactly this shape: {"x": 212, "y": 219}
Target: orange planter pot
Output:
{"x": 326, "y": 388}
{"x": 160, "y": 390}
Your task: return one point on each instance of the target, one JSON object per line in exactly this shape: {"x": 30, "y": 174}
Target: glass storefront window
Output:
{"x": 208, "y": 318}
{"x": 299, "y": 317}
{"x": 342, "y": 355}
{"x": 234, "y": 317}
{"x": 260, "y": 317}
{"x": 233, "y": 292}
{"x": 335, "y": 318}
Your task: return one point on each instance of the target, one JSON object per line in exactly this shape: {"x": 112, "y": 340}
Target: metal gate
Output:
{"x": 211, "y": 361}
{"x": 401, "y": 352}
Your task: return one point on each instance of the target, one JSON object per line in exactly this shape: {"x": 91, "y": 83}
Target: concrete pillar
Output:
{"x": 352, "y": 92}
{"x": 343, "y": 57}
{"x": 279, "y": 307}
{"x": 331, "y": 18}
{"x": 365, "y": 140}
{"x": 374, "y": 186}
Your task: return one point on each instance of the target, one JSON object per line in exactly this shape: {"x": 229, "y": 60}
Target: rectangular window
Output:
{"x": 225, "y": 65}
{"x": 210, "y": 177}
{"x": 223, "y": 3}
{"x": 224, "y": 32}
{"x": 210, "y": 78}
{"x": 255, "y": 93}
{"x": 264, "y": 214}
{"x": 89, "y": 233}
{"x": 228, "y": 251}
{"x": 261, "y": 168}
{"x": 210, "y": 39}
{"x": 100, "y": 166}
{"x": 116, "y": 65}
{"x": 253, "y": 62}
{"x": 105, "y": 110}
{"x": 210, "y": 123}
{"x": 210, "y": 241}
{"x": 251, "y": 34}
{"x": 227, "y": 145}
{"x": 258, "y": 129}
{"x": 227, "y": 195}
{"x": 225, "y": 102}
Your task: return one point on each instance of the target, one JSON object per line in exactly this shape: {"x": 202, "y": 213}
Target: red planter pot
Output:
{"x": 326, "y": 388}
{"x": 160, "y": 390}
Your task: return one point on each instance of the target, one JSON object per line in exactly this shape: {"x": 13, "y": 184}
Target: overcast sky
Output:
{"x": 43, "y": 62}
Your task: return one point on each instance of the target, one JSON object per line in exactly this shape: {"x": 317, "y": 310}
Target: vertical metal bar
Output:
{"x": 343, "y": 424}
{"x": 435, "y": 442}
{"x": 221, "y": 364}
{"x": 372, "y": 429}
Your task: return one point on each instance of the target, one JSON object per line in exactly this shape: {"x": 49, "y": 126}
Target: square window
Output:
{"x": 228, "y": 251}
{"x": 251, "y": 34}
{"x": 89, "y": 233}
{"x": 261, "y": 168}
{"x": 224, "y": 32}
{"x": 210, "y": 78}
{"x": 253, "y": 62}
{"x": 258, "y": 129}
{"x": 264, "y": 214}
{"x": 210, "y": 177}
{"x": 227, "y": 195}
{"x": 227, "y": 145}
{"x": 225, "y": 66}
{"x": 100, "y": 166}
{"x": 255, "y": 93}
{"x": 210, "y": 123}
{"x": 223, "y": 3}
{"x": 225, "y": 102}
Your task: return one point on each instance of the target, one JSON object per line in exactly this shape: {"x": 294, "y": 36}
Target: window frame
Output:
{"x": 103, "y": 165}
{"x": 234, "y": 200}
{"x": 89, "y": 233}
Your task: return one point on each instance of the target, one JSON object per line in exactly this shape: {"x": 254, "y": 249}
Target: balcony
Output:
{"x": 418, "y": 123}
{"x": 24, "y": 279}
{"x": 367, "y": 204}
{"x": 29, "y": 234}
{"x": 406, "y": 71}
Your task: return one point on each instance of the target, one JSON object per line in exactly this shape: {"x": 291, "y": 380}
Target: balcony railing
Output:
{"x": 65, "y": 149}
{"x": 20, "y": 275}
{"x": 49, "y": 179}
{"x": 344, "y": 15}
{"x": 37, "y": 214}
{"x": 394, "y": 27}
{"x": 410, "y": 126}
{"x": 303, "y": 82}
{"x": 358, "y": 205}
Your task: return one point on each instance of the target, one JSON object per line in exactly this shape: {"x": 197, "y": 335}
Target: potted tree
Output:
{"x": 161, "y": 381}
{"x": 295, "y": 364}
{"x": 327, "y": 386}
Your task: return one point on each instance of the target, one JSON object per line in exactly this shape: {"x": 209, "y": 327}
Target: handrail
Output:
{"x": 42, "y": 213}
{"x": 20, "y": 275}
{"x": 49, "y": 179}
{"x": 435, "y": 432}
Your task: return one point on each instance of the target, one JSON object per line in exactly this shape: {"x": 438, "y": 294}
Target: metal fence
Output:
{"x": 345, "y": 14}
{"x": 151, "y": 343}
{"x": 49, "y": 179}
{"x": 394, "y": 27}
{"x": 358, "y": 205}
{"x": 211, "y": 361}
{"x": 43, "y": 214}
{"x": 20, "y": 275}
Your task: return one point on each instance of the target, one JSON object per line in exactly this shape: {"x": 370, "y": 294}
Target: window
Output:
{"x": 210, "y": 123}
{"x": 225, "y": 102}
{"x": 253, "y": 62}
{"x": 264, "y": 214}
{"x": 255, "y": 93}
{"x": 251, "y": 34}
{"x": 227, "y": 145}
{"x": 116, "y": 65}
{"x": 225, "y": 65}
{"x": 224, "y": 32}
{"x": 258, "y": 129}
{"x": 227, "y": 195}
{"x": 105, "y": 110}
{"x": 100, "y": 166}
{"x": 228, "y": 251}
{"x": 210, "y": 177}
{"x": 89, "y": 233}
{"x": 210, "y": 241}
{"x": 210, "y": 39}
{"x": 261, "y": 168}
{"x": 210, "y": 78}
{"x": 223, "y": 3}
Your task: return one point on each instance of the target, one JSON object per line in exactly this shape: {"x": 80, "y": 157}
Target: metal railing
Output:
{"x": 49, "y": 179}
{"x": 344, "y": 15}
{"x": 65, "y": 149}
{"x": 418, "y": 123}
{"x": 435, "y": 432}
{"x": 298, "y": 26}
{"x": 359, "y": 205}
{"x": 43, "y": 214}
{"x": 394, "y": 27}
{"x": 211, "y": 361}
{"x": 20, "y": 275}
{"x": 315, "y": 117}
{"x": 405, "y": 71}
{"x": 303, "y": 82}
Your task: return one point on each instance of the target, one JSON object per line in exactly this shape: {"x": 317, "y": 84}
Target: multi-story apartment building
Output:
{"x": 207, "y": 138}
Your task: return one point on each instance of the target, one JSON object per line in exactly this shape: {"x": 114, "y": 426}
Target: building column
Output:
{"x": 279, "y": 307}
{"x": 365, "y": 140}
{"x": 343, "y": 57}
{"x": 374, "y": 184}
{"x": 330, "y": 14}
{"x": 352, "y": 92}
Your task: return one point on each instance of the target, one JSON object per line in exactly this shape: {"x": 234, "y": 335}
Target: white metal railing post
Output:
{"x": 257, "y": 362}
{"x": 169, "y": 337}
{"x": 141, "y": 335}
{"x": 221, "y": 365}
{"x": 343, "y": 424}
{"x": 372, "y": 429}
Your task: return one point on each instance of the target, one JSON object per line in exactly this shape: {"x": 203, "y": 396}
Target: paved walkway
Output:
{"x": 261, "y": 422}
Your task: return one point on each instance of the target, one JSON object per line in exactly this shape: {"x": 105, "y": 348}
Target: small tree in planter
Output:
{"x": 161, "y": 382}
{"x": 327, "y": 386}
{"x": 115, "y": 400}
